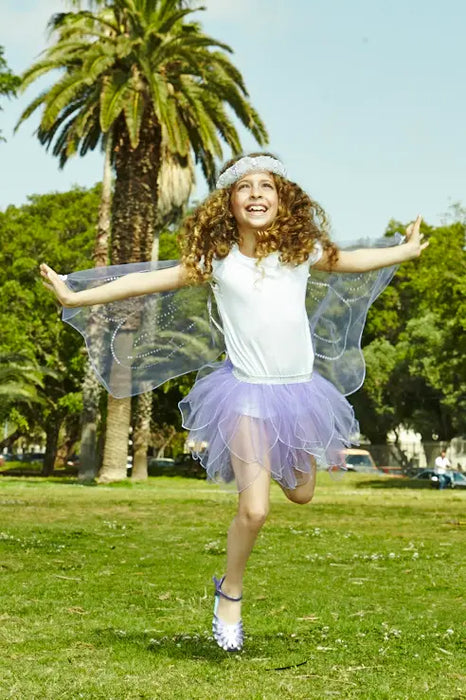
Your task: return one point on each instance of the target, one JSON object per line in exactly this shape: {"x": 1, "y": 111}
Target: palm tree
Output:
{"x": 22, "y": 389}
{"x": 9, "y": 83}
{"x": 141, "y": 63}
{"x": 175, "y": 184}
{"x": 142, "y": 72}
{"x": 92, "y": 390}
{"x": 20, "y": 380}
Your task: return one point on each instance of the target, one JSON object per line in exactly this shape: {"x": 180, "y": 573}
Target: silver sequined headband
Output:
{"x": 250, "y": 164}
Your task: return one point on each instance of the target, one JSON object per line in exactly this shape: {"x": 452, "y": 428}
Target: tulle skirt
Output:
{"x": 237, "y": 428}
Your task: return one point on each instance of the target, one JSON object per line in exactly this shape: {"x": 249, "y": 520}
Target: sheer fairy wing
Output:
{"x": 137, "y": 344}
{"x": 337, "y": 306}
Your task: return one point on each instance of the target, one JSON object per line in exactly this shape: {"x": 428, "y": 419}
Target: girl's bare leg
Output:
{"x": 304, "y": 492}
{"x": 253, "y": 507}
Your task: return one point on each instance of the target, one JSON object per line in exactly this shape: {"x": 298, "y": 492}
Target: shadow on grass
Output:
{"x": 32, "y": 472}
{"x": 39, "y": 479}
{"x": 395, "y": 483}
{"x": 202, "y": 647}
{"x": 178, "y": 646}
{"x": 60, "y": 477}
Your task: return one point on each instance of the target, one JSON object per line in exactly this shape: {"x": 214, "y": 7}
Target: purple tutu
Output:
{"x": 237, "y": 428}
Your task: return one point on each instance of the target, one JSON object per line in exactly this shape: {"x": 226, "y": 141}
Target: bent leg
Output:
{"x": 303, "y": 493}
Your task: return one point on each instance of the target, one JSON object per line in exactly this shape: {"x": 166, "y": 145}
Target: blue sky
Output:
{"x": 364, "y": 101}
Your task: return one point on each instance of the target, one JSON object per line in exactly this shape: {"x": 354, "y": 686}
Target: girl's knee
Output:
{"x": 301, "y": 495}
{"x": 301, "y": 498}
{"x": 254, "y": 517}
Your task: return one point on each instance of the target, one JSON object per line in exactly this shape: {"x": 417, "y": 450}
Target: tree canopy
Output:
{"x": 415, "y": 342}
{"x": 59, "y": 229}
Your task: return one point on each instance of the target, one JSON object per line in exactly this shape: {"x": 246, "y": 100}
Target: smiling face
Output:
{"x": 254, "y": 201}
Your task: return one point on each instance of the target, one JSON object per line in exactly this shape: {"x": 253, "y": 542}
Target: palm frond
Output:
{"x": 134, "y": 108}
{"x": 114, "y": 93}
{"x": 129, "y": 56}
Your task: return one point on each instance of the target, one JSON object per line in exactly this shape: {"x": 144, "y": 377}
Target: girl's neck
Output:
{"x": 247, "y": 243}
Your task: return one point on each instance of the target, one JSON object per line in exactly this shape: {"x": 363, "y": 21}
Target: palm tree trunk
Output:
{"x": 105, "y": 209}
{"x": 143, "y": 416}
{"x": 175, "y": 184}
{"x": 89, "y": 457}
{"x": 116, "y": 441}
{"x": 134, "y": 212}
{"x": 141, "y": 436}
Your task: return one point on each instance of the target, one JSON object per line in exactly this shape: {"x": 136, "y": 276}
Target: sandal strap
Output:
{"x": 218, "y": 590}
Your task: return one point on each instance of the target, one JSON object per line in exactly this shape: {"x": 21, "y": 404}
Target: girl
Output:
{"x": 263, "y": 413}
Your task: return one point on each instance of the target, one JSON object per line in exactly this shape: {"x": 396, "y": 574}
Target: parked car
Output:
{"x": 182, "y": 465}
{"x": 424, "y": 474}
{"x": 162, "y": 461}
{"x": 459, "y": 480}
{"x": 186, "y": 465}
{"x": 156, "y": 466}
{"x": 8, "y": 457}
{"x": 359, "y": 461}
{"x": 392, "y": 471}
{"x": 454, "y": 479}
{"x": 29, "y": 457}
{"x": 427, "y": 475}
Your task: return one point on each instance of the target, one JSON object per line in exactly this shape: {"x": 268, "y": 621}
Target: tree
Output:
{"x": 58, "y": 228}
{"x": 175, "y": 185}
{"x": 9, "y": 83}
{"x": 415, "y": 344}
{"x": 90, "y": 453}
{"x": 140, "y": 71}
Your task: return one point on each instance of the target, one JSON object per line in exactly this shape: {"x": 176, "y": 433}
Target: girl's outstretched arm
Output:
{"x": 366, "y": 259}
{"x": 132, "y": 285}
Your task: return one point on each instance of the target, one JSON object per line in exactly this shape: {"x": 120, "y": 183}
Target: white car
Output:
{"x": 359, "y": 461}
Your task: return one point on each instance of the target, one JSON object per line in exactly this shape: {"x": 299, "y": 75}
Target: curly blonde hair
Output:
{"x": 211, "y": 230}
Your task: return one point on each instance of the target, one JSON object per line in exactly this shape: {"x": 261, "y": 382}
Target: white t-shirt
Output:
{"x": 442, "y": 464}
{"x": 264, "y": 317}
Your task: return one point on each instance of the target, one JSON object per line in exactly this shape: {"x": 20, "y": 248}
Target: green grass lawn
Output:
{"x": 106, "y": 592}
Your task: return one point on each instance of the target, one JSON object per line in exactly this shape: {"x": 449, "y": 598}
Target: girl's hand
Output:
{"x": 414, "y": 239}
{"x": 56, "y": 284}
